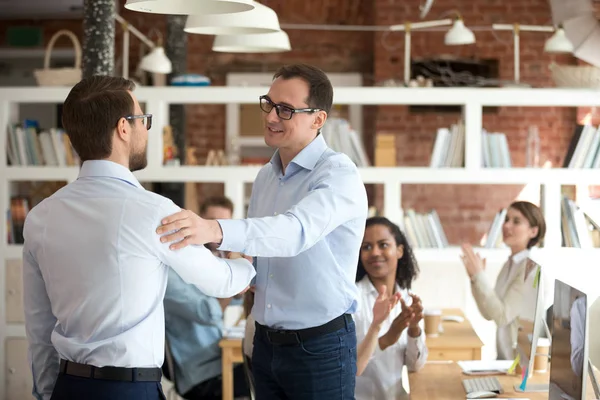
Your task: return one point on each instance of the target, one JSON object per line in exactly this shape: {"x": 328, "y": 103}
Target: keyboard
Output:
{"x": 483, "y": 384}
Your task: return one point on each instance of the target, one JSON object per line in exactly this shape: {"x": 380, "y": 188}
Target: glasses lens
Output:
{"x": 265, "y": 105}
{"x": 149, "y": 122}
{"x": 285, "y": 112}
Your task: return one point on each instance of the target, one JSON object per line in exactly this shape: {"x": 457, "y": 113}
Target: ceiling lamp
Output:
{"x": 558, "y": 43}
{"x": 190, "y": 7}
{"x": 459, "y": 34}
{"x": 157, "y": 62}
{"x": 261, "y": 19}
{"x": 258, "y": 43}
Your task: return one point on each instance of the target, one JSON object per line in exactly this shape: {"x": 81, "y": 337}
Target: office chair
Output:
{"x": 247, "y": 364}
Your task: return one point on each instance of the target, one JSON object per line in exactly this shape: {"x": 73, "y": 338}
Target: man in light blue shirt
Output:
{"x": 194, "y": 324}
{"x": 94, "y": 271}
{"x": 307, "y": 219}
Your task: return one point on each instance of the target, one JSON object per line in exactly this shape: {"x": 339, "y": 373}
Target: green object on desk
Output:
{"x": 24, "y": 36}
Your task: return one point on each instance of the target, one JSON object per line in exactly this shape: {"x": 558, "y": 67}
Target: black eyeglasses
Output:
{"x": 283, "y": 112}
{"x": 146, "y": 117}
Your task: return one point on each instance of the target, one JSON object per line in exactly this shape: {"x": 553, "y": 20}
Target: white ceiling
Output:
{"x": 44, "y": 9}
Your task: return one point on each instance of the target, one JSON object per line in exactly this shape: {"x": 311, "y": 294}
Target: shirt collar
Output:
{"x": 372, "y": 290}
{"x": 308, "y": 156}
{"x": 109, "y": 169}
{"x": 520, "y": 256}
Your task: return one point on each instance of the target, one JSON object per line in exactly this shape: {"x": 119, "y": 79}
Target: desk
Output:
{"x": 231, "y": 350}
{"x": 458, "y": 341}
{"x": 444, "y": 382}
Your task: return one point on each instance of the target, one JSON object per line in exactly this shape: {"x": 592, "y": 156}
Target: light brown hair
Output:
{"x": 533, "y": 214}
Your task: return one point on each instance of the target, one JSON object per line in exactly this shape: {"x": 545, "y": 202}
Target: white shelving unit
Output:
{"x": 157, "y": 100}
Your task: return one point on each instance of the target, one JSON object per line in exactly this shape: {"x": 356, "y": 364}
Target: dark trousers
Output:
{"x": 323, "y": 367}
{"x": 70, "y": 387}
{"x": 212, "y": 389}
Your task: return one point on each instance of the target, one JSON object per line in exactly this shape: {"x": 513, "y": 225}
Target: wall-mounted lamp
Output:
{"x": 155, "y": 62}
{"x": 459, "y": 34}
{"x": 558, "y": 43}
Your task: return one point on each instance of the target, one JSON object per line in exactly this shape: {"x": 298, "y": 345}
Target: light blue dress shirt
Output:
{"x": 95, "y": 274}
{"x": 194, "y": 323}
{"x": 305, "y": 229}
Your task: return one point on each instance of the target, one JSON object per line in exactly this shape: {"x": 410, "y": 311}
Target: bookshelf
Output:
{"x": 472, "y": 101}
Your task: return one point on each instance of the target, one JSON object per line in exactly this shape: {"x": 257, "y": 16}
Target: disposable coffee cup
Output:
{"x": 540, "y": 361}
{"x": 433, "y": 319}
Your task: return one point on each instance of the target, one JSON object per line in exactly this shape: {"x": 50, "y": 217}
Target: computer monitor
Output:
{"x": 533, "y": 329}
{"x": 569, "y": 354}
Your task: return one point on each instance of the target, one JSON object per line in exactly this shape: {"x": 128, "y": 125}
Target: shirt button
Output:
{"x": 280, "y": 183}
{"x": 275, "y": 213}
{"x": 270, "y": 275}
{"x": 268, "y": 306}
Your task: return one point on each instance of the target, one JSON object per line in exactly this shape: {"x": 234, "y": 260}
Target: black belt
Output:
{"x": 110, "y": 373}
{"x": 291, "y": 337}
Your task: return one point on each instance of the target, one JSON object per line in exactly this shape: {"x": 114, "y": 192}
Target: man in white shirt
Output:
{"x": 94, "y": 271}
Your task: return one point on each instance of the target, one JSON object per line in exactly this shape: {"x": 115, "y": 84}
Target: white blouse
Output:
{"x": 382, "y": 378}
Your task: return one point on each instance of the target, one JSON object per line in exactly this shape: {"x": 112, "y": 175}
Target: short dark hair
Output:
{"x": 216, "y": 201}
{"x": 533, "y": 214}
{"x": 320, "y": 90}
{"x": 91, "y": 112}
{"x": 408, "y": 269}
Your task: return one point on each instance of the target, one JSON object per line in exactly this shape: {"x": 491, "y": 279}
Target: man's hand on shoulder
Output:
{"x": 185, "y": 228}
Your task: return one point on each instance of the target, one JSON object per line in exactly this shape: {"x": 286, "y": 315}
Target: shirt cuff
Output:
{"x": 234, "y": 235}
{"x": 417, "y": 343}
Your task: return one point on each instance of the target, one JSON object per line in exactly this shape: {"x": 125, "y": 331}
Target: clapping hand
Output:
{"x": 398, "y": 325}
{"x": 383, "y": 306}
{"x": 472, "y": 261}
{"x": 417, "y": 311}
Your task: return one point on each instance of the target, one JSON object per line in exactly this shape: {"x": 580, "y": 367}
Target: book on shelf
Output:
{"x": 15, "y": 221}
{"x": 340, "y": 137}
{"x": 424, "y": 230}
{"x": 580, "y": 226}
{"x": 495, "y": 151}
{"x": 449, "y": 147}
{"x": 494, "y": 236}
{"x": 27, "y": 145}
{"x": 584, "y": 148}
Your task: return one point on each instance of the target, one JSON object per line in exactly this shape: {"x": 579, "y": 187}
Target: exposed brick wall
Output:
{"x": 467, "y": 211}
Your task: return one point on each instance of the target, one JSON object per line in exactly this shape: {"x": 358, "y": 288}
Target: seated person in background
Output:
{"x": 217, "y": 207}
{"x": 523, "y": 228}
{"x": 389, "y": 334}
{"x": 194, "y": 324}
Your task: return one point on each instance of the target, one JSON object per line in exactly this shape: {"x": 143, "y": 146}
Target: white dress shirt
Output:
{"x": 504, "y": 303}
{"x": 304, "y": 229}
{"x": 95, "y": 273}
{"x": 382, "y": 378}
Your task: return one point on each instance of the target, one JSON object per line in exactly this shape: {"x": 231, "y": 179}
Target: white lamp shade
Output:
{"x": 157, "y": 62}
{"x": 261, "y": 19}
{"x": 258, "y": 43}
{"x": 558, "y": 43}
{"x": 459, "y": 34}
{"x": 190, "y": 7}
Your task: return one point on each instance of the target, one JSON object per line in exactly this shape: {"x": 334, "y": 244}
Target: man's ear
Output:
{"x": 123, "y": 130}
{"x": 319, "y": 121}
